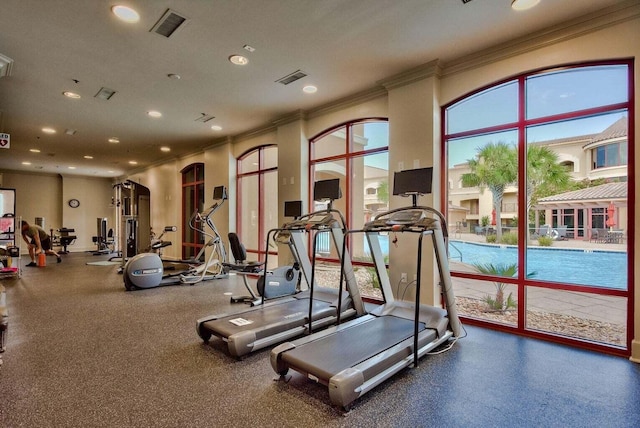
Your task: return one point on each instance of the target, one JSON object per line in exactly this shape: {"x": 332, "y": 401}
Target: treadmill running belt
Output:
{"x": 346, "y": 348}
{"x": 270, "y": 319}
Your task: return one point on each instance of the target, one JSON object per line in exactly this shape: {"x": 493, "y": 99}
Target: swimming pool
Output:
{"x": 597, "y": 268}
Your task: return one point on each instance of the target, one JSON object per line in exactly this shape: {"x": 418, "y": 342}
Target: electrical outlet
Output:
{"x": 403, "y": 277}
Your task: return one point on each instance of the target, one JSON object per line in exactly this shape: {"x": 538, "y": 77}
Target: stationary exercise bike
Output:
{"x": 279, "y": 282}
{"x": 146, "y": 270}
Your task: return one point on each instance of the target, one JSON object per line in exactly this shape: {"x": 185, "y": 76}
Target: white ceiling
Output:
{"x": 345, "y": 46}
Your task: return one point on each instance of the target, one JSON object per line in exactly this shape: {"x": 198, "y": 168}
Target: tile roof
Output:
{"x": 617, "y": 130}
{"x": 605, "y": 192}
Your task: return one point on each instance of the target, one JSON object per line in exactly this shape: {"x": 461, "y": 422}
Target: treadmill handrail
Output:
{"x": 423, "y": 229}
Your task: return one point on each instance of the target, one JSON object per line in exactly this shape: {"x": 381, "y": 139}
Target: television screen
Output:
{"x": 327, "y": 189}
{"x": 219, "y": 193}
{"x": 293, "y": 209}
{"x": 412, "y": 181}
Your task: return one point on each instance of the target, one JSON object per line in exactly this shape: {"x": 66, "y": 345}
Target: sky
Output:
{"x": 547, "y": 94}
{"x": 558, "y": 92}
{"x": 460, "y": 151}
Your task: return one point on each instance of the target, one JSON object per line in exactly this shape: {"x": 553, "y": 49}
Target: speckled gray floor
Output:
{"x": 83, "y": 352}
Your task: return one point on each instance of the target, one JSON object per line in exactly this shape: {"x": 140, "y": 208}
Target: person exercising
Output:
{"x": 40, "y": 242}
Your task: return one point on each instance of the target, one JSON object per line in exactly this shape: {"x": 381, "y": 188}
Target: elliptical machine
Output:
{"x": 146, "y": 270}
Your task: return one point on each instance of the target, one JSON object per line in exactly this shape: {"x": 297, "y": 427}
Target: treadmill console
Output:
{"x": 317, "y": 220}
{"x": 406, "y": 217}
{"x": 409, "y": 218}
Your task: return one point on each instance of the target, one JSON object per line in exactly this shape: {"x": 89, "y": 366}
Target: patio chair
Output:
{"x": 545, "y": 230}
{"x": 559, "y": 233}
{"x": 615, "y": 236}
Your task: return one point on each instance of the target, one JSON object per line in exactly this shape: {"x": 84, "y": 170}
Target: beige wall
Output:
{"x": 47, "y": 195}
{"x": 95, "y": 202}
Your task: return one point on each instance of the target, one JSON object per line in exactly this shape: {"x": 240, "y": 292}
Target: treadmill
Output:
{"x": 273, "y": 322}
{"x": 353, "y": 357}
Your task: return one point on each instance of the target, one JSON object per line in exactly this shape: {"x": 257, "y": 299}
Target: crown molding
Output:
{"x": 421, "y": 72}
{"x": 291, "y": 117}
{"x": 604, "y": 18}
{"x": 348, "y": 101}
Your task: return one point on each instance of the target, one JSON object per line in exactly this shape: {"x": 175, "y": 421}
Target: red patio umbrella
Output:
{"x": 611, "y": 211}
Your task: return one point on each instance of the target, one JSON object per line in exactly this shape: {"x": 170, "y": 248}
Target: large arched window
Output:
{"x": 542, "y": 205}
{"x": 257, "y": 209}
{"x": 192, "y": 200}
{"x": 357, "y": 153}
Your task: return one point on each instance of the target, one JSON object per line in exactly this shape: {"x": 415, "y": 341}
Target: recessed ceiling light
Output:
{"x": 70, "y": 94}
{"x": 88, "y": 157}
{"x": 165, "y": 149}
{"x": 216, "y": 127}
{"x": 114, "y": 140}
{"x": 48, "y": 130}
{"x": 523, "y": 4}
{"x": 310, "y": 89}
{"x": 126, "y": 14}
{"x": 26, "y": 163}
{"x": 34, "y": 150}
{"x": 238, "y": 60}
{"x": 154, "y": 113}
{"x": 133, "y": 163}
{"x": 71, "y": 167}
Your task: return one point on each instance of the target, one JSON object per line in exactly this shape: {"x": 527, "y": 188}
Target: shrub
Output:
{"x": 509, "y": 239}
{"x": 545, "y": 241}
{"x": 499, "y": 302}
{"x": 491, "y": 239}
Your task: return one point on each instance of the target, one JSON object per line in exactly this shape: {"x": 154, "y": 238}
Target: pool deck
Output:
{"x": 594, "y": 307}
{"x": 578, "y": 243}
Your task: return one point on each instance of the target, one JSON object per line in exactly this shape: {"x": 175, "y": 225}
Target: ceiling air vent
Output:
{"x": 169, "y": 23}
{"x": 6, "y": 64}
{"x": 290, "y": 78}
{"x": 105, "y": 93}
{"x": 204, "y": 118}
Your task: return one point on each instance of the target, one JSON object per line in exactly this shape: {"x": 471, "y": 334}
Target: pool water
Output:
{"x": 597, "y": 268}
{"x": 591, "y": 267}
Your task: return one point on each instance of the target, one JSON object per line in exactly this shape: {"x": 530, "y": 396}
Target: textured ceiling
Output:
{"x": 344, "y": 47}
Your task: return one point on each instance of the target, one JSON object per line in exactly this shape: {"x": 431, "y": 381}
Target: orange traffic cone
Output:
{"x": 42, "y": 260}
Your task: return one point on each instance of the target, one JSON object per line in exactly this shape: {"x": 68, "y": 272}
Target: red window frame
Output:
{"x": 522, "y": 282}
{"x": 260, "y": 172}
{"x": 348, "y": 155}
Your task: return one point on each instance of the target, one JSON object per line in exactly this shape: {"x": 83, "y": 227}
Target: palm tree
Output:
{"x": 383, "y": 191}
{"x": 495, "y": 167}
{"x": 545, "y": 176}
